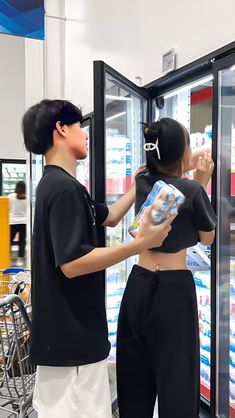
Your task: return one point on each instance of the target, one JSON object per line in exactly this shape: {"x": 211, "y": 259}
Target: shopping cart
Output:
{"x": 115, "y": 410}
{"x": 16, "y": 374}
{"x": 14, "y": 280}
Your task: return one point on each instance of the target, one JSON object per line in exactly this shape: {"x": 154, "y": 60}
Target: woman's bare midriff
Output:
{"x": 153, "y": 260}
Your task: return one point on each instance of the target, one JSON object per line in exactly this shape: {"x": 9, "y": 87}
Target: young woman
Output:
{"x": 18, "y": 218}
{"x": 69, "y": 337}
{"x": 158, "y": 336}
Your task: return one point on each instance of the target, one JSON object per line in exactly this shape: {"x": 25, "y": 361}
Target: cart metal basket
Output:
{"x": 16, "y": 374}
{"x": 17, "y": 281}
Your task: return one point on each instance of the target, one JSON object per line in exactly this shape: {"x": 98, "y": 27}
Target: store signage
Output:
{"x": 22, "y": 18}
{"x": 168, "y": 61}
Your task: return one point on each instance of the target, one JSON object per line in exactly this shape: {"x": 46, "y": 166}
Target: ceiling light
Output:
{"x": 115, "y": 116}
{"x": 189, "y": 86}
{"x": 110, "y": 96}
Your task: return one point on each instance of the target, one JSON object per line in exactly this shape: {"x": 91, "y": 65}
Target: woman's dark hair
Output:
{"x": 172, "y": 139}
{"x": 20, "y": 190}
{"x": 39, "y": 122}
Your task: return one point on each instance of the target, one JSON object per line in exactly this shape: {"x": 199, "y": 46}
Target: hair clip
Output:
{"x": 150, "y": 146}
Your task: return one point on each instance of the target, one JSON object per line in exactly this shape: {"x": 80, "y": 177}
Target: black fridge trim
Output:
{"x": 213, "y": 366}
{"x": 12, "y": 161}
{"x": 99, "y": 130}
{"x": 87, "y": 116}
{"x": 125, "y": 82}
{"x": 189, "y": 72}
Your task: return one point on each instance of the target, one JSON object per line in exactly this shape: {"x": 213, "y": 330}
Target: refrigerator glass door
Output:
{"x": 191, "y": 105}
{"x": 83, "y": 166}
{"x": 226, "y": 244}
{"x": 12, "y": 172}
{"x": 36, "y": 171}
{"x": 123, "y": 154}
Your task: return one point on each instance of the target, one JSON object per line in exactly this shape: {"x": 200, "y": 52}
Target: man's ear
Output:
{"x": 60, "y": 128}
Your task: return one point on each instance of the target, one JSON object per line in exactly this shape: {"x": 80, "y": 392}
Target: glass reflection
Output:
{"x": 226, "y": 245}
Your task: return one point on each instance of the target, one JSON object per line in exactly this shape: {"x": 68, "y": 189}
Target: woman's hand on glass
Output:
{"x": 204, "y": 169}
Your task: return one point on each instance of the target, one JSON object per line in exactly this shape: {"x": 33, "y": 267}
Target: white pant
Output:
{"x": 73, "y": 392}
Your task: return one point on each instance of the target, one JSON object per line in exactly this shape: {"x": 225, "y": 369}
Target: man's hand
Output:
{"x": 204, "y": 169}
{"x": 150, "y": 235}
{"x": 141, "y": 168}
{"x": 118, "y": 209}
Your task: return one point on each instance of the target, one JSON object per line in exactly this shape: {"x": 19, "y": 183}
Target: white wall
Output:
{"x": 193, "y": 28}
{"x": 129, "y": 35}
{"x": 12, "y": 96}
{"x": 99, "y": 30}
{"x": 54, "y": 49}
{"x": 30, "y": 70}
{"x": 132, "y": 35}
{"x": 34, "y": 72}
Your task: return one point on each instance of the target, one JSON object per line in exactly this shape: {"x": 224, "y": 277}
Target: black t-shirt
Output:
{"x": 196, "y": 214}
{"x": 69, "y": 326}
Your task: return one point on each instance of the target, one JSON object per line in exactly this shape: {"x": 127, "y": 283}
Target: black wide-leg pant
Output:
{"x": 158, "y": 345}
{"x": 21, "y": 229}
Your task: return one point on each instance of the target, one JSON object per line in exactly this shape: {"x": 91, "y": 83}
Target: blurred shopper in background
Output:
{"x": 18, "y": 219}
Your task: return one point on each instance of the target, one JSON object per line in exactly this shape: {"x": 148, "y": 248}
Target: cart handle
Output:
{"x": 10, "y": 300}
{"x": 12, "y": 270}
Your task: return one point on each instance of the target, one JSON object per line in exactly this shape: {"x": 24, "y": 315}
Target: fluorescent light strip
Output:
{"x": 110, "y": 96}
{"x": 115, "y": 116}
{"x": 188, "y": 86}
{"x": 232, "y": 68}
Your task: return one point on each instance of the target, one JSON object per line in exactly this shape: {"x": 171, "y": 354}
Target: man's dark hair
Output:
{"x": 39, "y": 122}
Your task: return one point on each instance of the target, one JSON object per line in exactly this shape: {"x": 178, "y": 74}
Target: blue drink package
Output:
{"x": 165, "y": 200}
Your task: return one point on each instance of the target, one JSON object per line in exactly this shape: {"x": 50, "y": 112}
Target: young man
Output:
{"x": 69, "y": 341}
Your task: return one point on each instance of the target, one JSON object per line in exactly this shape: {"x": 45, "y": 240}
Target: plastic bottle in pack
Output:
{"x": 165, "y": 200}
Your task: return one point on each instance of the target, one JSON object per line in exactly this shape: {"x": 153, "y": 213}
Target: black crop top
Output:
{"x": 196, "y": 214}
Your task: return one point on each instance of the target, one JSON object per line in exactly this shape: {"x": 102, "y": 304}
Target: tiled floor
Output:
{"x": 203, "y": 414}
{"x": 112, "y": 378}
{"x": 34, "y": 415}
